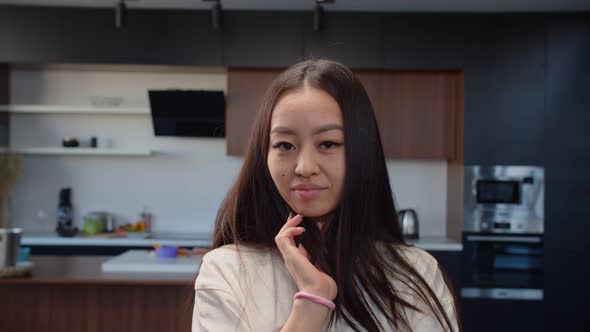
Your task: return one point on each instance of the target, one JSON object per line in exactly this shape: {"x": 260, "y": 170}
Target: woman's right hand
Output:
{"x": 307, "y": 277}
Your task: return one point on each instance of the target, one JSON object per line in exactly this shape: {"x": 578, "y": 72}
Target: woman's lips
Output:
{"x": 308, "y": 194}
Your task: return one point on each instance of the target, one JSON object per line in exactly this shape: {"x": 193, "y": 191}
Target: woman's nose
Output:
{"x": 307, "y": 164}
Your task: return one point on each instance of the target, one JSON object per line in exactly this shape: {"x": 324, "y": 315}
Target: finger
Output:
{"x": 285, "y": 238}
{"x": 291, "y": 222}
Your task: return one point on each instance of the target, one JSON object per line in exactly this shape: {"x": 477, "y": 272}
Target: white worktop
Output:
{"x": 171, "y": 239}
{"x": 437, "y": 243}
{"x": 191, "y": 240}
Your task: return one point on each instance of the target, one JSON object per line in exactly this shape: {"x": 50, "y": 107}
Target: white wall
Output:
{"x": 183, "y": 183}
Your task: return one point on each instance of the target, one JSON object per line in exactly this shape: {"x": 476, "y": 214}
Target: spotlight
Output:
{"x": 120, "y": 14}
{"x": 216, "y": 14}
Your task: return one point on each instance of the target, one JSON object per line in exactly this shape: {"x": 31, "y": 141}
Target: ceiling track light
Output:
{"x": 120, "y": 14}
{"x": 318, "y": 14}
{"x": 216, "y": 14}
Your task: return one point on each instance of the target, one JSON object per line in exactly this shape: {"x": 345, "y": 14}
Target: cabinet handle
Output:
{"x": 521, "y": 239}
{"x": 527, "y": 294}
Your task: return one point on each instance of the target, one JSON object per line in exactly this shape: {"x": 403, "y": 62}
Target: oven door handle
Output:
{"x": 526, "y": 294}
{"x": 495, "y": 238}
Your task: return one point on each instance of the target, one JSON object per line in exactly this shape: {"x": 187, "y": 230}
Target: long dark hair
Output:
{"x": 361, "y": 246}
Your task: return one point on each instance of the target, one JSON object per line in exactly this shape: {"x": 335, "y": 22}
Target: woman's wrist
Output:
{"x": 315, "y": 298}
{"x": 325, "y": 293}
{"x": 306, "y": 316}
{"x": 307, "y": 308}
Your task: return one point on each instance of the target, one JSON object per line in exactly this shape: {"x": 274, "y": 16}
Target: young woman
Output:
{"x": 311, "y": 214}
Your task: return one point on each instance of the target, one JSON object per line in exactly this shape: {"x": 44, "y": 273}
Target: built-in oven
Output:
{"x": 502, "y": 261}
{"x": 502, "y": 266}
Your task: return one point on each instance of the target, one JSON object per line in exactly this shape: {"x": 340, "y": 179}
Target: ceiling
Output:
{"x": 338, "y": 5}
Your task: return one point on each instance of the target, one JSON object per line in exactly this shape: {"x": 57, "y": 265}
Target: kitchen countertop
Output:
{"x": 192, "y": 240}
{"x": 172, "y": 239}
{"x": 77, "y": 270}
{"x": 437, "y": 243}
{"x": 87, "y": 269}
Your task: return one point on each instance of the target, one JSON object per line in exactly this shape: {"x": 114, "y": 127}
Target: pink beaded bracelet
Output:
{"x": 314, "y": 298}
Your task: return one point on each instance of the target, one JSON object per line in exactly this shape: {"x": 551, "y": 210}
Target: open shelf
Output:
{"x": 72, "y": 109}
{"x": 81, "y": 151}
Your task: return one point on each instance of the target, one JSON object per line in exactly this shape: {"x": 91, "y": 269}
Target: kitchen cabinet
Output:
{"x": 566, "y": 147}
{"x": 488, "y": 315}
{"x": 417, "y": 112}
{"x": 4, "y": 98}
{"x": 30, "y": 35}
{"x": 341, "y": 37}
{"x": 72, "y": 294}
{"x": 428, "y": 41}
{"x": 262, "y": 39}
{"x": 450, "y": 261}
{"x": 149, "y": 37}
{"x": 246, "y": 89}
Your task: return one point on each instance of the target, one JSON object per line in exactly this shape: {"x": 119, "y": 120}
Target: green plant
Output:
{"x": 10, "y": 169}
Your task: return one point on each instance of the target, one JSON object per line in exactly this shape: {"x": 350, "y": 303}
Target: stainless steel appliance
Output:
{"x": 408, "y": 220}
{"x": 504, "y": 199}
{"x": 502, "y": 267}
{"x": 9, "y": 245}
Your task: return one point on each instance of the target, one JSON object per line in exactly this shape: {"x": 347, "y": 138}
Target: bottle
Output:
{"x": 146, "y": 217}
{"x": 65, "y": 213}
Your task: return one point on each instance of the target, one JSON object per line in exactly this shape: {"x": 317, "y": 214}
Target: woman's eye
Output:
{"x": 283, "y": 146}
{"x": 329, "y": 144}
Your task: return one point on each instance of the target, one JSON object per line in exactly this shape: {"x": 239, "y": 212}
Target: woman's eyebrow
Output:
{"x": 286, "y": 131}
{"x": 327, "y": 128}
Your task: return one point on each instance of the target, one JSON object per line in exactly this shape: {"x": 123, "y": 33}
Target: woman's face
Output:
{"x": 306, "y": 153}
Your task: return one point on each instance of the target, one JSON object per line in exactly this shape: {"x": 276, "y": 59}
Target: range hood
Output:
{"x": 188, "y": 113}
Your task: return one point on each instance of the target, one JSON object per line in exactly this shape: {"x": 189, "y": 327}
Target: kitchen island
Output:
{"x": 71, "y": 293}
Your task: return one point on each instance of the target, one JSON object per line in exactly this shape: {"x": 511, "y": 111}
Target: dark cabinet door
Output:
{"x": 505, "y": 98}
{"x": 450, "y": 261}
{"x": 355, "y": 39}
{"x": 149, "y": 37}
{"x": 30, "y": 35}
{"x": 262, "y": 39}
{"x": 4, "y": 99}
{"x": 488, "y": 315}
{"x": 424, "y": 41}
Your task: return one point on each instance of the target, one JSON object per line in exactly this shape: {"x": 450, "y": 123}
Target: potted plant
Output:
{"x": 10, "y": 169}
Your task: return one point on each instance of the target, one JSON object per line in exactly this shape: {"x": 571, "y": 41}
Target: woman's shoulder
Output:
{"x": 422, "y": 261}
{"x": 222, "y": 266}
{"x": 231, "y": 252}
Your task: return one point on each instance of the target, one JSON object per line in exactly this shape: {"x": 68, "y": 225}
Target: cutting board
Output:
{"x": 143, "y": 261}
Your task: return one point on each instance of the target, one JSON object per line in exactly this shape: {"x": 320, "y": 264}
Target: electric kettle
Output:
{"x": 408, "y": 220}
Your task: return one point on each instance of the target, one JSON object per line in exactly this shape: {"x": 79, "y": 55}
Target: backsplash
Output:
{"x": 182, "y": 183}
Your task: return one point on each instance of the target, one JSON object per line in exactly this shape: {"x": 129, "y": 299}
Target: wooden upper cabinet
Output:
{"x": 388, "y": 122}
{"x": 418, "y": 113}
{"x": 246, "y": 89}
